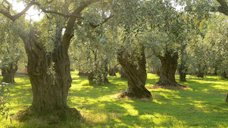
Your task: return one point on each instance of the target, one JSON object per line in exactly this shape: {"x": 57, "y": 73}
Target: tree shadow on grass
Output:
{"x": 197, "y": 107}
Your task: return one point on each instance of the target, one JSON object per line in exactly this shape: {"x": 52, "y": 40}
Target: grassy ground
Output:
{"x": 201, "y": 105}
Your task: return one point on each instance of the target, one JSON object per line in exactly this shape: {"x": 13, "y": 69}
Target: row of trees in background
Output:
{"x": 100, "y": 34}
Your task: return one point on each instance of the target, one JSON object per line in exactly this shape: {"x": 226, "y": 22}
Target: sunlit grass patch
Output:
{"x": 201, "y": 105}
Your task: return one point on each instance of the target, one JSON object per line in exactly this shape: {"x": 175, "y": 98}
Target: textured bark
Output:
{"x": 8, "y": 72}
{"x": 168, "y": 69}
{"x": 136, "y": 74}
{"x": 49, "y": 74}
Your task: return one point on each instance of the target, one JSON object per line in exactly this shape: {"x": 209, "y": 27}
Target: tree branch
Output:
{"x": 18, "y": 15}
{"x": 105, "y": 20}
{"x": 71, "y": 22}
{"x": 55, "y": 12}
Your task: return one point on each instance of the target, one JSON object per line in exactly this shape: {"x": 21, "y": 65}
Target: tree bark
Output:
{"x": 136, "y": 74}
{"x": 8, "y": 72}
{"x": 49, "y": 74}
{"x": 168, "y": 69}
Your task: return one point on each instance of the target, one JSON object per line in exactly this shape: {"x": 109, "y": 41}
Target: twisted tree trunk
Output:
{"x": 168, "y": 69}
{"x": 136, "y": 74}
{"x": 8, "y": 72}
{"x": 49, "y": 74}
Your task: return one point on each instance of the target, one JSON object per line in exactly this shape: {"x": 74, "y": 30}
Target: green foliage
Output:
{"x": 11, "y": 49}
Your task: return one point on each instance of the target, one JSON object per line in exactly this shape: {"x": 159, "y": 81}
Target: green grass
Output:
{"x": 201, "y": 105}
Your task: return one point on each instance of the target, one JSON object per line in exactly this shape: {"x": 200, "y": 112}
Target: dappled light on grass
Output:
{"x": 201, "y": 105}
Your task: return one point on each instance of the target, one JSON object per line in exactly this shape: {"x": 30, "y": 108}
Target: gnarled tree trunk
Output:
{"x": 8, "y": 72}
{"x": 168, "y": 69}
{"x": 49, "y": 74}
{"x": 136, "y": 74}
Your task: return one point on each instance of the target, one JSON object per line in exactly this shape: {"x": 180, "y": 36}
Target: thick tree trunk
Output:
{"x": 49, "y": 75}
{"x": 8, "y": 72}
{"x": 136, "y": 74}
{"x": 168, "y": 69}
{"x": 49, "y": 86}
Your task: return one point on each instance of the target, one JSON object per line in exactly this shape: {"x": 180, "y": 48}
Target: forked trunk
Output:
{"x": 50, "y": 77}
{"x": 136, "y": 74}
{"x": 8, "y": 72}
{"x": 168, "y": 69}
